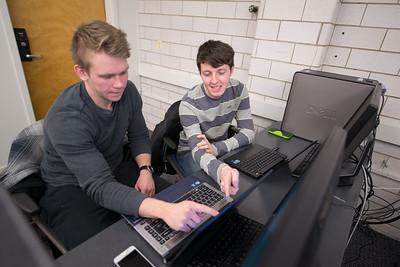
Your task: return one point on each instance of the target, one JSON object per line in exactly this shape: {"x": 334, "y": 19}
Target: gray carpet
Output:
{"x": 370, "y": 248}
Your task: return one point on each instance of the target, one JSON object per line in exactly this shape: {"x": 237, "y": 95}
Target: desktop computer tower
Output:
{"x": 320, "y": 100}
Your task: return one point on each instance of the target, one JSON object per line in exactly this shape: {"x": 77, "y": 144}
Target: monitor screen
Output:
{"x": 319, "y": 100}
{"x": 292, "y": 236}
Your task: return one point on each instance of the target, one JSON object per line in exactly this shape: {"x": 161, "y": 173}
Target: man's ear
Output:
{"x": 81, "y": 72}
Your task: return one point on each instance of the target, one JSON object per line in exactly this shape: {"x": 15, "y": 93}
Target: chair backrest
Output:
{"x": 170, "y": 127}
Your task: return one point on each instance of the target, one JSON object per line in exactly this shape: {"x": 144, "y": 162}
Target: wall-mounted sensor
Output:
{"x": 253, "y": 9}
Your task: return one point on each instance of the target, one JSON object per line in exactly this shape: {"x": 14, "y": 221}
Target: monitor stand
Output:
{"x": 346, "y": 178}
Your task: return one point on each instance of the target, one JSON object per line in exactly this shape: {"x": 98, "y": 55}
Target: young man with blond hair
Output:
{"x": 88, "y": 183}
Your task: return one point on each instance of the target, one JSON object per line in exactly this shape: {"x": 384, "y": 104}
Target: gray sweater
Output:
{"x": 83, "y": 144}
{"x": 212, "y": 117}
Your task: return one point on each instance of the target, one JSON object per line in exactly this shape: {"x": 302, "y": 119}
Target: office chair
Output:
{"x": 26, "y": 195}
{"x": 22, "y": 179}
{"x": 165, "y": 141}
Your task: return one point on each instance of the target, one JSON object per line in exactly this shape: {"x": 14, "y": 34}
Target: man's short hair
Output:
{"x": 215, "y": 53}
{"x": 98, "y": 36}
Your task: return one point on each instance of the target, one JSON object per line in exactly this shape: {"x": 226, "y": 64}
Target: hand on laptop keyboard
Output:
{"x": 229, "y": 180}
{"x": 186, "y": 215}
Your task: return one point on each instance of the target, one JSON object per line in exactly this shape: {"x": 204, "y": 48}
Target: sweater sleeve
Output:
{"x": 191, "y": 126}
{"x": 245, "y": 125}
{"x": 72, "y": 137}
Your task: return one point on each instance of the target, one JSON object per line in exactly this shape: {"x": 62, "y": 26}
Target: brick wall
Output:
{"x": 360, "y": 38}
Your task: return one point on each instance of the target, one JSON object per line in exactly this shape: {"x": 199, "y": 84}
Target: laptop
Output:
{"x": 157, "y": 233}
{"x": 255, "y": 160}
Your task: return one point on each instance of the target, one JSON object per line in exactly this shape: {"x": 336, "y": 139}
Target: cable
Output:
{"x": 387, "y": 188}
{"x": 363, "y": 206}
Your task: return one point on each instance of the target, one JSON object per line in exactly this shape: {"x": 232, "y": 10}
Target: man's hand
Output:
{"x": 185, "y": 215}
{"x": 204, "y": 144}
{"x": 229, "y": 180}
{"x": 145, "y": 183}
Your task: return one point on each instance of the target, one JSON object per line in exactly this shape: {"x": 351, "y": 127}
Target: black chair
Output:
{"x": 165, "y": 141}
{"x": 22, "y": 179}
{"x": 26, "y": 195}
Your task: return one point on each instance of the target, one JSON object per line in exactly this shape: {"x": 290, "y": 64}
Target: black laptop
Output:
{"x": 255, "y": 160}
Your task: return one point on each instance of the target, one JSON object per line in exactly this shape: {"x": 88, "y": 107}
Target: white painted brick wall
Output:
{"x": 391, "y": 108}
{"x": 238, "y": 60}
{"x": 344, "y": 71}
{"x": 260, "y": 67}
{"x": 284, "y": 9}
{"x": 242, "y": 44}
{"x": 173, "y": 36}
{"x": 181, "y": 23}
{"x": 221, "y": 9}
{"x": 382, "y": 16}
{"x": 233, "y": 27}
{"x": 145, "y": 19}
{"x": 267, "y": 29}
{"x": 161, "y": 21}
{"x": 194, "y": 8}
{"x": 326, "y": 34}
{"x": 308, "y": 55}
{"x": 223, "y": 38}
{"x": 391, "y": 82}
{"x": 392, "y": 41}
{"x": 205, "y": 25}
{"x": 337, "y": 56}
{"x": 351, "y": 14}
{"x": 251, "y": 28}
{"x": 152, "y": 6}
{"x": 284, "y": 71}
{"x": 193, "y": 38}
{"x": 275, "y": 50}
{"x": 357, "y": 37}
{"x": 374, "y": 61}
{"x": 299, "y": 32}
{"x": 179, "y": 50}
{"x": 246, "y": 62}
{"x": 171, "y": 7}
{"x": 267, "y": 87}
{"x": 321, "y": 10}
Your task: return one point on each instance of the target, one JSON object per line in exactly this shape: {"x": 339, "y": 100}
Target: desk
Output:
{"x": 102, "y": 248}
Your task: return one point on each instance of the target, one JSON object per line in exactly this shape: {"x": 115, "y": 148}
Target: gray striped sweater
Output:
{"x": 212, "y": 117}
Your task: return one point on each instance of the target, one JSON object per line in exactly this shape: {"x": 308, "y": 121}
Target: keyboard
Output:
{"x": 161, "y": 237}
{"x": 161, "y": 231}
{"x": 259, "y": 163}
{"x": 231, "y": 242}
{"x": 300, "y": 170}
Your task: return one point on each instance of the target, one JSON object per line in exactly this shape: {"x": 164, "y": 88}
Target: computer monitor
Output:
{"x": 19, "y": 245}
{"x": 319, "y": 100}
{"x": 292, "y": 237}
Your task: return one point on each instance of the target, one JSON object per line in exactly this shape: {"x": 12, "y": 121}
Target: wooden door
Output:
{"x": 49, "y": 25}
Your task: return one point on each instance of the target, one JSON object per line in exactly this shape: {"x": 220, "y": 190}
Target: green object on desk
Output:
{"x": 281, "y": 134}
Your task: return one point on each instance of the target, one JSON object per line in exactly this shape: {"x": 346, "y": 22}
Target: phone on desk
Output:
{"x": 132, "y": 257}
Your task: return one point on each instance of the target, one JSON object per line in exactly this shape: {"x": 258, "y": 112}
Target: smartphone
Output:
{"x": 132, "y": 257}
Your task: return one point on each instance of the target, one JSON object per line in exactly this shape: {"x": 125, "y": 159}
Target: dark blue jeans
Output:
{"x": 75, "y": 217}
{"x": 186, "y": 163}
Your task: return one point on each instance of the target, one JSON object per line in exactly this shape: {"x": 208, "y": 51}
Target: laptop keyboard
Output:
{"x": 231, "y": 243}
{"x": 161, "y": 232}
{"x": 260, "y": 163}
